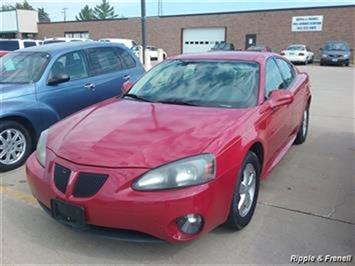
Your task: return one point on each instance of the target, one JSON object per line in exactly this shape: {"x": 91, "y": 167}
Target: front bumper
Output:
{"x": 117, "y": 205}
{"x": 334, "y": 61}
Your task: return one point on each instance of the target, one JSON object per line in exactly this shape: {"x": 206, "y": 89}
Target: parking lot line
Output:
{"x": 24, "y": 197}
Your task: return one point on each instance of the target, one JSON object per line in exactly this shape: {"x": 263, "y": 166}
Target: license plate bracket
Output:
{"x": 70, "y": 214}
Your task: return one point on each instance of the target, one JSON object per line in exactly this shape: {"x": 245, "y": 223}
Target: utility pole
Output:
{"x": 64, "y": 11}
{"x": 143, "y": 27}
{"x": 160, "y": 8}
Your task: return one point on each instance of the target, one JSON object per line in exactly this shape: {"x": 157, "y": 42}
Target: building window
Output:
{"x": 77, "y": 34}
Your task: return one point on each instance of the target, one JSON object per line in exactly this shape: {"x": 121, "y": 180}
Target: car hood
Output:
{"x": 126, "y": 133}
{"x": 335, "y": 52}
{"x": 8, "y": 91}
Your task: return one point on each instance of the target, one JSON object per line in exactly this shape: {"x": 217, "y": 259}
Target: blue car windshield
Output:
{"x": 336, "y": 46}
{"x": 217, "y": 83}
{"x": 23, "y": 67}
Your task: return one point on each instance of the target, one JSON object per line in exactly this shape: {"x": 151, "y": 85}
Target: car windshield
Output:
{"x": 295, "y": 47}
{"x": 336, "y": 46}
{"x": 22, "y": 67}
{"x": 9, "y": 45}
{"x": 217, "y": 83}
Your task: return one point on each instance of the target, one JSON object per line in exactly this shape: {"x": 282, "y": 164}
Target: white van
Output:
{"x": 15, "y": 44}
{"x": 64, "y": 39}
{"x": 127, "y": 42}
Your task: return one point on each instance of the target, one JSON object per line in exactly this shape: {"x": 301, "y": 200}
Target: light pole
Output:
{"x": 143, "y": 28}
{"x": 64, "y": 11}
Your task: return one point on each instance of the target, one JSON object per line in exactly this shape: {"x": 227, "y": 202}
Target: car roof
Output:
{"x": 226, "y": 55}
{"x": 58, "y": 48}
{"x": 296, "y": 44}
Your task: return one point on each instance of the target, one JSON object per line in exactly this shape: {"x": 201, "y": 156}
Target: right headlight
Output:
{"x": 182, "y": 173}
{"x": 324, "y": 55}
{"x": 41, "y": 148}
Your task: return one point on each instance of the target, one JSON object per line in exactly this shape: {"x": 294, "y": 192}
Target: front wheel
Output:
{"x": 246, "y": 193}
{"x": 15, "y": 145}
{"x": 303, "y": 131}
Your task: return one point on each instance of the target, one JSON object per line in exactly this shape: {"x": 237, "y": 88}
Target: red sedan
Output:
{"x": 182, "y": 152}
{"x": 2, "y": 53}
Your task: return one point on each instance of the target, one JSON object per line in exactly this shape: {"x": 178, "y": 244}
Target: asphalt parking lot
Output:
{"x": 306, "y": 207}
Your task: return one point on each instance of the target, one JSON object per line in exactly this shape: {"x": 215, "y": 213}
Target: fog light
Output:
{"x": 190, "y": 224}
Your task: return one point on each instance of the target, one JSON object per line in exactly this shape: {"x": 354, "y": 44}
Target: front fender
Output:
{"x": 39, "y": 115}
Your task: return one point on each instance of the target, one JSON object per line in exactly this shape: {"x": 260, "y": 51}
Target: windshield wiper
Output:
{"x": 136, "y": 97}
{"x": 178, "y": 102}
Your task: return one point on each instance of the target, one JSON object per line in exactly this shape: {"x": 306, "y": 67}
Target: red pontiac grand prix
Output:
{"x": 183, "y": 150}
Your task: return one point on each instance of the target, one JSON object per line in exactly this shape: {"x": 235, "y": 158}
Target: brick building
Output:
{"x": 270, "y": 27}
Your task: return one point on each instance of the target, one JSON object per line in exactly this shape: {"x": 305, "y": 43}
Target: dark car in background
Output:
{"x": 41, "y": 85}
{"x": 259, "y": 48}
{"x": 335, "y": 53}
{"x": 223, "y": 46}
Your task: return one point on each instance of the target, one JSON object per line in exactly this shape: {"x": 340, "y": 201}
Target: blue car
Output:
{"x": 42, "y": 85}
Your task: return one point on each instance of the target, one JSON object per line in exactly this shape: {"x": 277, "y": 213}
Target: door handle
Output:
{"x": 90, "y": 86}
{"x": 126, "y": 77}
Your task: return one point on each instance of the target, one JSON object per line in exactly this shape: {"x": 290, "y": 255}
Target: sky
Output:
{"x": 131, "y": 8}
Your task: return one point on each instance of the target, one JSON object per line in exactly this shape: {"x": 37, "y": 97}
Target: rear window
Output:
{"x": 52, "y": 41}
{"x": 29, "y": 44}
{"x": 9, "y": 45}
{"x": 296, "y": 48}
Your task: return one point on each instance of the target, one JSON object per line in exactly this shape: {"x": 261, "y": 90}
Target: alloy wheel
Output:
{"x": 12, "y": 146}
{"x": 247, "y": 190}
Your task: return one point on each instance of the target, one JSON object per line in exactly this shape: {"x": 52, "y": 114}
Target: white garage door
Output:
{"x": 195, "y": 40}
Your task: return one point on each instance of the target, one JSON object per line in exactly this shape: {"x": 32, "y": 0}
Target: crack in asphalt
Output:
{"x": 308, "y": 213}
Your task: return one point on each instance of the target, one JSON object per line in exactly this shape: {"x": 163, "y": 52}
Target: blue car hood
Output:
{"x": 8, "y": 91}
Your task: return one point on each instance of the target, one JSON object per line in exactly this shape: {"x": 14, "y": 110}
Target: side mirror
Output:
{"x": 280, "y": 98}
{"x": 127, "y": 85}
{"x": 351, "y": 49}
{"x": 321, "y": 49}
{"x": 58, "y": 79}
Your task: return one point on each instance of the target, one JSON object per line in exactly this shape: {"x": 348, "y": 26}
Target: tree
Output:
{"x": 87, "y": 13}
{"x": 7, "y": 7}
{"x": 24, "y": 5}
{"x": 43, "y": 15}
{"x": 104, "y": 11}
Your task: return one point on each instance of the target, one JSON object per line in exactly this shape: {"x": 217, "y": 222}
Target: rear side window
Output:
{"x": 274, "y": 80}
{"x": 127, "y": 59}
{"x": 104, "y": 60}
{"x": 29, "y": 44}
{"x": 287, "y": 71}
{"x": 9, "y": 45}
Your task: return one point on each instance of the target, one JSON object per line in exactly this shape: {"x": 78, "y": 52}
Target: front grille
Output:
{"x": 61, "y": 177}
{"x": 335, "y": 55}
{"x": 88, "y": 184}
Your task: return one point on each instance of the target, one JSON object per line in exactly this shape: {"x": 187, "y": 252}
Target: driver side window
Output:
{"x": 273, "y": 80}
{"x": 71, "y": 64}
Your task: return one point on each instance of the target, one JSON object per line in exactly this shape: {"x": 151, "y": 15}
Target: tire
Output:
{"x": 303, "y": 131}
{"x": 238, "y": 217}
{"x": 14, "y": 136}
{"x": 306, "y": 61}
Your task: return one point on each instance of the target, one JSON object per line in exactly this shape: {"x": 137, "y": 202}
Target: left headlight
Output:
{"x": 182, "y": 173}
{"x": 41, "y": 148}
